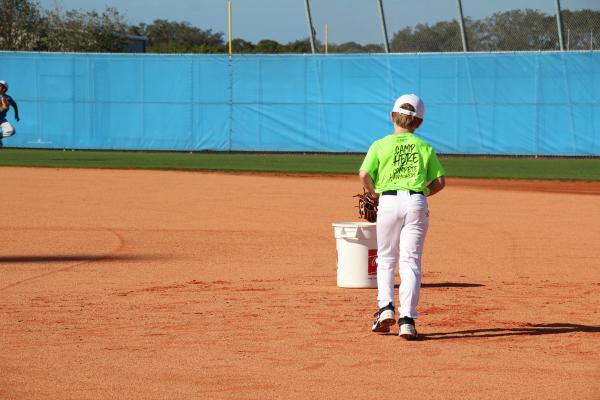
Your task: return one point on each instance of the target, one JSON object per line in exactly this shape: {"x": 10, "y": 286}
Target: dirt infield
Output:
{"x": 181, "y": 285}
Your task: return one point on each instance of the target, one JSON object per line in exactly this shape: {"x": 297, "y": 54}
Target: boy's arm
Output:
{"x": 367, "y": 182}
{"x": 15, "y": 108}
{"x": 436, "y": 185}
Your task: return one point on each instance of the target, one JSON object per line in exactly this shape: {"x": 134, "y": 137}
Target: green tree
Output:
{"x": 374, "y": 48}
{"x": 21, "y": 25}
{"x": 24, "y": 27}
{"x": 180, "y": 37}
{"x": 348, "y": 47}
{"x": 513, "y": 30}
{"x": 442, "y": 36}
{"x": 85, "y": 31}
{"x": 241, "y": 46}
{"x": 301, "y": 46}
{"x": 516, "y": 30}
{"x": 268, "y": 46}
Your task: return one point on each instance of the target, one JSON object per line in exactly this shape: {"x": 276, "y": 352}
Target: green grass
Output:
{"x": 282, "y": 162}
{"x": 467, "y": 167}
{"x": 585, "y": 169}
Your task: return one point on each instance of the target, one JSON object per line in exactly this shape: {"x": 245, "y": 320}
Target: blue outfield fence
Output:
{"x": 545, "y": 103}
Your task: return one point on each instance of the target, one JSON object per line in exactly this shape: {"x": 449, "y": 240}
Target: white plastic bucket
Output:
{"x": 356, "y": 245}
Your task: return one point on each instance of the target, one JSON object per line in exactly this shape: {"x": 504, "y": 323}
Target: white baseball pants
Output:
{"x": 7, "y": 129}
{"x": 402, "y": 222}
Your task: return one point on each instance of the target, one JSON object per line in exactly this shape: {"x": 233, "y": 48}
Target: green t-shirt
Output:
{"x": 402, "y": 162}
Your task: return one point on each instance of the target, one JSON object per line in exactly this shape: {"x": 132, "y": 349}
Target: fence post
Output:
{"x": 559, "y": 24}
{"x": 461, "y": 23}
{"x": 229, "y": 26}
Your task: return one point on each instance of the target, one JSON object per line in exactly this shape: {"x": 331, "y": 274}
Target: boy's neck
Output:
{"x": 400, "y": 131}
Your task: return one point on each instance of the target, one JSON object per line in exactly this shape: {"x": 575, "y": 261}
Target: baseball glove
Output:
{"x": 367, "y": 206}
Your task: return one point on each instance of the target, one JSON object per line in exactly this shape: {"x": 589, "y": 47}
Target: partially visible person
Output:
{"x": 6, "y": 102}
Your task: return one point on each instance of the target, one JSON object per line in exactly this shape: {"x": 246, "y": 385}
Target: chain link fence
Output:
{"x": 526, "y": 25}
{"x": 581, "y": 31}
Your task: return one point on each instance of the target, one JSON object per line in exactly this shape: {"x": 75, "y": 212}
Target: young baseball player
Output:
{"x": 401, "y": 170}
{"x": 5, "y": 103}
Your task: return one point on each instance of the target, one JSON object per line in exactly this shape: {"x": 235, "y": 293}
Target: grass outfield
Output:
{"x": 466, "y": 167}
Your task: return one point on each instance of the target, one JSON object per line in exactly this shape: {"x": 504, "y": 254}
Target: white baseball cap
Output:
{"x": 3, "y": 83}
{"x": 414, "y": 101}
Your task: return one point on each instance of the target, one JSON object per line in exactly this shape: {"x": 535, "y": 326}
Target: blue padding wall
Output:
{"x": 481, "y": 103}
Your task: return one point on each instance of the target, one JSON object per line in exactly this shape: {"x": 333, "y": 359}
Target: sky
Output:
{"x": 285, "y": 20}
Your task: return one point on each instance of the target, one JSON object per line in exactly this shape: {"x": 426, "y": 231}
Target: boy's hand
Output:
{"x": 367, "y": 206}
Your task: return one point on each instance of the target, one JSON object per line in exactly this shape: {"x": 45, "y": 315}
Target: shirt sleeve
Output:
{"x": 371, "y": 162}
{"x": 434, "y": 167}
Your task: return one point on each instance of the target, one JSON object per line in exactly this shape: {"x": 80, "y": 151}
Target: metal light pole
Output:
{"x": 383, "y": 27}
{"x": 461, "y": 23}
{"x": 559, "y": 24}
{"x": 311, "y": 30}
